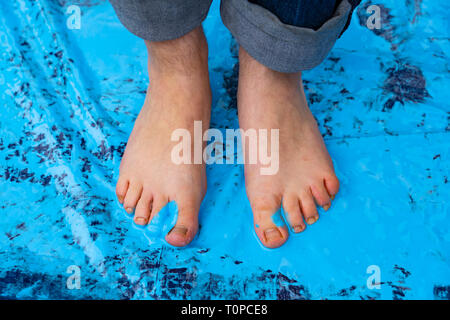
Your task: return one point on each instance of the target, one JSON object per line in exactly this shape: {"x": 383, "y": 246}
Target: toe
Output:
{"x": 269, "y": 224}
{"x": 291, "y": 206}
{"x": 332, "y": 185}
{"x": 159, "y": 201}
{"x": 143, "y": 208}
{"x": 187, "y": 224}
{"x": 320, "y": 195}
{"x": 132, "y": 196}
{"x": 121, "y": 188}
{"x": 308, "y": 207}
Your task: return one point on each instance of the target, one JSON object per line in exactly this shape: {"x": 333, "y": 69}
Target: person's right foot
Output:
{"x": 178, "y": 94}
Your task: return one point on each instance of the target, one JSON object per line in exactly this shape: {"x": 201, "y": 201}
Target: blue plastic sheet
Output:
{"x": 70, "y": 97}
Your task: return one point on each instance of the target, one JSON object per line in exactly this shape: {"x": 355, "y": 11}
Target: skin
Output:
{"x": 179, "y": 93}
{"x": 268, "y": 99}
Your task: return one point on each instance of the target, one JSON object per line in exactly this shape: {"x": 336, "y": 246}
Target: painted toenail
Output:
{"x": 332, "y": 197}
{"x": 129, "y": 210}
{"x": 272, "y": 234}
{"x": 326, "y": 207}
{"x": 179, "y": 230}
{"x": 298, "y": 228}
{"x": 311, "y": 220}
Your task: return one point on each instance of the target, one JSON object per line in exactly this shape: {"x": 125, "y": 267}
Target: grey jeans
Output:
{"x": 277, "y": 45}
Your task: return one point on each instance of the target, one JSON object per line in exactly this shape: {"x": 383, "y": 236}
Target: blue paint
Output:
{"x": 277, "y": 218}
{"x": 162, "y": 223}
{"x": 70, "y": 98}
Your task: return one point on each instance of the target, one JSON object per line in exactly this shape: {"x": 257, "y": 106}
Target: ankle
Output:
{"x": 250, "y": 67}
{"x": 186, "y": 56}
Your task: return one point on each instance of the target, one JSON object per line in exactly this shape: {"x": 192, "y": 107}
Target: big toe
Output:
{"x": 269, "y": 223}
{"x": 273, "y": 237}
{"x": 187, "y": 225}
{"x": 178, "y": 236}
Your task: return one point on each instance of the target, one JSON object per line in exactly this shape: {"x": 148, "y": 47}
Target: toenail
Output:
{"x": 326, "y": 207}
{"x": 179, "y": 230}
{"x": 298, "y": 228}
{"x": 272, "y": 234}
{"x": 129, "y": 210}
{"x": 311, "y": 220}
{"x": 141, "y": 220}
{"x": 332, "y": 197}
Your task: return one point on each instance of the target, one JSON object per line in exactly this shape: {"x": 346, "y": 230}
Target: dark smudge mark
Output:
{"x": 405, "y": 83}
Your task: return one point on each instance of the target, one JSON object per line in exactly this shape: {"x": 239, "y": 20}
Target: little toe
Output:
{"x": 332, "y": 185}
{"x": 121, "y": 188}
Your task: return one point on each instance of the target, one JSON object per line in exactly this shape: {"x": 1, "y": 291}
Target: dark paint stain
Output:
{"x": 405, "y": 83}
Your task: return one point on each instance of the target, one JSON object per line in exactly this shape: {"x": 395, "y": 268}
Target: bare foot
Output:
{"x": 271, "y": 100}
{"x": 178, "y": 94}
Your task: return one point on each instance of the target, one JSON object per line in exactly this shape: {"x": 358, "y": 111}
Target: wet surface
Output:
{"x": 70, "y": 98}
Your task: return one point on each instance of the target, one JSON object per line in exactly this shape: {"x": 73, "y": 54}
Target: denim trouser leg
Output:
{"x": 301, "y": 13}
{"x": 289, "y": 35}
{"x": 159, "y": 20}
{"x": 286, "y": 36}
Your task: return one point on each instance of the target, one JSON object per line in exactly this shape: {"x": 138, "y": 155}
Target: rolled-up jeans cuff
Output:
{"x": 160, "y": 20}
{"x": 278, "y": 46}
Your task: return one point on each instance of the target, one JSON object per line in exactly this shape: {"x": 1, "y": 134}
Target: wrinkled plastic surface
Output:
{"x": 69, "y": 99}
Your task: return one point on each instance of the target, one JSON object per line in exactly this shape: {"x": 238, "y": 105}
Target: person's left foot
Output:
{"x": 272, "y": 100}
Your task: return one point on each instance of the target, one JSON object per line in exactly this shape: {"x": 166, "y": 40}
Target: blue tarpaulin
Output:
{"x": 69, "y": 97}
